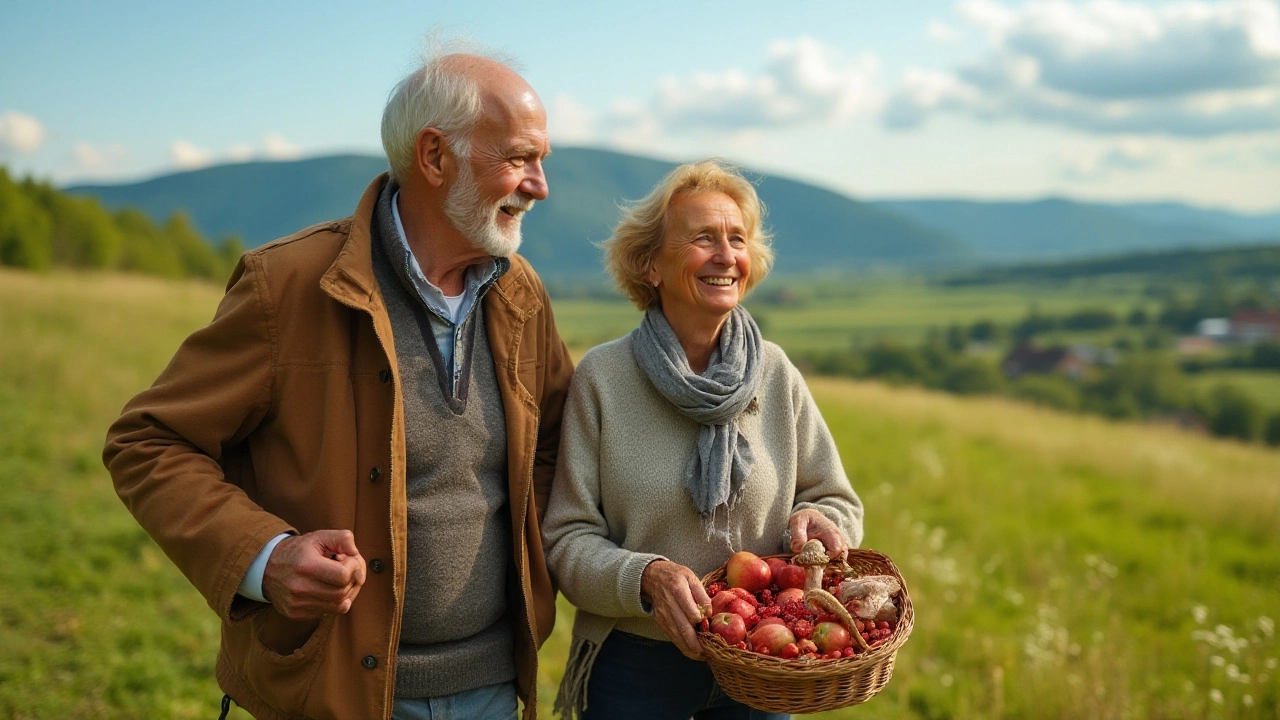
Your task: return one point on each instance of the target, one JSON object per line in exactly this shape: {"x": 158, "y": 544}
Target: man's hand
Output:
{"x": 679, "y": 602}
{"x": 314, "y": 574}
{"x": 809, "y": 524}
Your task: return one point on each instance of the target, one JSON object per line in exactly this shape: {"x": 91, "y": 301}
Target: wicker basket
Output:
{"x": 798, "y": 686}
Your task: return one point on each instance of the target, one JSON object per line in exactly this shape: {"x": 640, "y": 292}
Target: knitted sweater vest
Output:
{"x": 456, "y": 632}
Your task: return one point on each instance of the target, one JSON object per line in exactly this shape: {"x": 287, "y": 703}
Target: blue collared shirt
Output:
{"x": 446, "y": 321}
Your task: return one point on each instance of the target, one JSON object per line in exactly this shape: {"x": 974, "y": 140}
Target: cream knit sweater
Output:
{"x": 619, "y": 500}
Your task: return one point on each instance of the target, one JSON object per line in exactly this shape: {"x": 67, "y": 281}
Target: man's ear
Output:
{"x": 433, "y": 156}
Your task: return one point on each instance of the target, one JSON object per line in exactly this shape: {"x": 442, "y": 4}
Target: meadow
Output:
{"x": 1061, "y": 566}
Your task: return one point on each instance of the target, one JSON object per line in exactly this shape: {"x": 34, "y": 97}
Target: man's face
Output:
{"x": 503, "y": 176}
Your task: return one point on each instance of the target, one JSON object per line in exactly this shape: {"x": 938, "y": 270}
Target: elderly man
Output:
{"x": 351, "y": 461}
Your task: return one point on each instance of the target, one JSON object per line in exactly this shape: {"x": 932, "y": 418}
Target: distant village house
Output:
{"x": 1073, "y": 362}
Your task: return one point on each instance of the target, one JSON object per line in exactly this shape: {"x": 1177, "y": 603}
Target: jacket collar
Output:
{"x": 350, "y": 279}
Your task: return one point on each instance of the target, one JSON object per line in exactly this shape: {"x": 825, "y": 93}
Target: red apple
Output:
{"x": 775, "y": 564}
{"x": 729, "y": 626}
{"x": 720, "y": 603}
{"x": 742, "y": 608}
{"x": 771, "y": 621}
{"x": 790, "y": 576}
{"x": 831, "y": 637}
{"x": 786, "y": 596}
{"x": 774, "y": 637}
{"x": 746, "y": 570}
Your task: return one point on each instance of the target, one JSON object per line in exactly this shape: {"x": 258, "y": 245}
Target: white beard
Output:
{"x": 477, "y": 221}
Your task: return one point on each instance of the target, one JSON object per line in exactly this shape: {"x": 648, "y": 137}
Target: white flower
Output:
{"x": 1216, "y": 695}
{"x": 1200, "y": 613}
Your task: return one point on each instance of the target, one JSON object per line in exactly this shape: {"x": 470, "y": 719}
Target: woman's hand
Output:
{"x": 679, "y": 602}
{"x": 809, "y": 524}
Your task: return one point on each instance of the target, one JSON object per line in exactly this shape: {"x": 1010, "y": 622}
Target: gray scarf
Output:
{"x": 721, "y": 459}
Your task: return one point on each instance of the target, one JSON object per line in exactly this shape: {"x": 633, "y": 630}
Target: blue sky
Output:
{"x": 1108, "y": 100}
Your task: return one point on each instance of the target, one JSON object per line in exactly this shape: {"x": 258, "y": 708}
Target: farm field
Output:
{"x": 1061, "y": 566}
{"x": 866, "y": 308}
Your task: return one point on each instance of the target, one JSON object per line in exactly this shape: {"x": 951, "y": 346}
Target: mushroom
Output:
{"x": 813, "y": 558}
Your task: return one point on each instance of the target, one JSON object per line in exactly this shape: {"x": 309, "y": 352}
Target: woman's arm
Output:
{"x": 594, "y": 573}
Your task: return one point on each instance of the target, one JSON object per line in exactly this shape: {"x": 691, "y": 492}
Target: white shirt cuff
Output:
{"x": 251, "y": 585}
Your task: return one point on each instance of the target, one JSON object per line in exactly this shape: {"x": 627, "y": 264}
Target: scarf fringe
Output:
{"x": 571, "y": 700}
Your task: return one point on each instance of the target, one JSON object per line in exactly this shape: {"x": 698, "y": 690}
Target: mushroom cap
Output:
{"x": 812, "y": 553}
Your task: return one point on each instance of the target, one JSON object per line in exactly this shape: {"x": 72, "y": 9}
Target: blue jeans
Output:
{"x": 491, "y": 701}
{"x": 635, "y": 678}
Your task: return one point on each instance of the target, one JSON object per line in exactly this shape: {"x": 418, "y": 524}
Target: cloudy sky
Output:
{"x": 1106, "y": 99}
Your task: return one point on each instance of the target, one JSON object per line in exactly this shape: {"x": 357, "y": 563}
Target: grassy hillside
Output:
{"x": 1061, "y": 566}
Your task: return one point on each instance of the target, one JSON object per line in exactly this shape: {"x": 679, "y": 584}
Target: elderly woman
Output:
{"x": 683, "y": 442}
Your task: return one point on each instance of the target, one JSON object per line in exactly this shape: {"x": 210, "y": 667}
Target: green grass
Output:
{"x": 1061, "y": 566}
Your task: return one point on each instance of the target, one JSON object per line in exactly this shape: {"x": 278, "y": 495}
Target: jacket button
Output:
{"x": 373, "y": 474}
{"x": 370, "y": 662}
{"x": 385, "y": 375}
{"x": 375, "y": 565}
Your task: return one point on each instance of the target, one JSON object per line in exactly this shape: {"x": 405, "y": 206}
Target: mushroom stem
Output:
{"x": 812, "y": 577}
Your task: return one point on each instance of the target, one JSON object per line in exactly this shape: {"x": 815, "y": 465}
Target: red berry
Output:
{"x": 802, "y": 628}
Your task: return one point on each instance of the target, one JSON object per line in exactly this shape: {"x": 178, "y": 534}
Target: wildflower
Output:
{"x": 946, "y": 680}
{"x": 1267, "y": 626}
{"x": 1200, "y": 613}
{"x": 1216, "y": 696}
{"x": 1247, "y": 700}
{"x": 1217, "y": 661}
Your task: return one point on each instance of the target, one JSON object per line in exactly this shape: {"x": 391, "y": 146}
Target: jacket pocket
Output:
{"x": 278, "y": 657}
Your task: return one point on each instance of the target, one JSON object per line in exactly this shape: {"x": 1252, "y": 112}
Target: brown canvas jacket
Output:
{"x": 284, "y": 414}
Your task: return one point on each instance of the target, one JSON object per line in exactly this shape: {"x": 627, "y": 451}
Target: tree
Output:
{"x": 1235, "y": 413}
{"x": 1272, "y": 432}
{"x": 970, "y": 376}
{"x": 24, "y": 228}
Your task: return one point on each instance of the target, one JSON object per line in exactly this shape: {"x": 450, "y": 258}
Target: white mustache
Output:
{"x": 517, "y": 202}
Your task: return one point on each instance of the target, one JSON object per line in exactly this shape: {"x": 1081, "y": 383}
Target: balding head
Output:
{"x": 451, "y": 93}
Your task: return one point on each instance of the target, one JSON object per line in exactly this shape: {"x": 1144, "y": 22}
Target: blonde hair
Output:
{"x": 630, "y": 251}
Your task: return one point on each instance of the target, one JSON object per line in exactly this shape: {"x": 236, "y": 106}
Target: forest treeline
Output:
{"x": 42, "y": 227}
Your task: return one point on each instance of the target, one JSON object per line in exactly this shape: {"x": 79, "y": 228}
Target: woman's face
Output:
{"x": 703, "y": 264}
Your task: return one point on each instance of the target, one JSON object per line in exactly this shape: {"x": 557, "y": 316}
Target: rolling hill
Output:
{"x": 259, "y": 201}
{"x": 1058, "y": 229}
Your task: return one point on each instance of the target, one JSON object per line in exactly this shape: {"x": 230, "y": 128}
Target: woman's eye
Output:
{"x": 738, "y": 240}
{"x": 703, "y": 240}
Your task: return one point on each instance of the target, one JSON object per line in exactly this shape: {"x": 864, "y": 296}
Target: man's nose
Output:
{"x": 534, "y": 183}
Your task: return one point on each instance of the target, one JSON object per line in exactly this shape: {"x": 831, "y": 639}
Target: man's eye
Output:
{"x": 517, "y": 161}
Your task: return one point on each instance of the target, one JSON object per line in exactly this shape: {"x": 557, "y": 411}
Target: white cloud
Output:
{"x": 1192, "y": 68}
{"x": 568, "y": 121}
{"x": 92, "y": 160}
{"x": 800, "y": 83}
{"x": 240, "y": 153}
{"x": 941, "y": 33}
{"x": 275, "y": 147}
{"x": 189, "y": 156}
{"x": 1127, "y": 155}
{"x": 20, "y": 132}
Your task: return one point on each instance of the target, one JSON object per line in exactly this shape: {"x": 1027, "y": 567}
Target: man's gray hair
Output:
{"x": 439, "y": 95}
